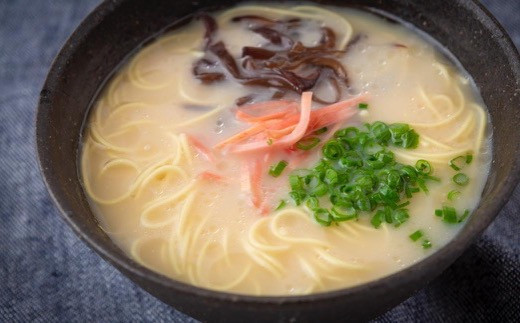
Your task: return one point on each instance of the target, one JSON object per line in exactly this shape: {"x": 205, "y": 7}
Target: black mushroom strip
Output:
{"x": 283, "y": 63}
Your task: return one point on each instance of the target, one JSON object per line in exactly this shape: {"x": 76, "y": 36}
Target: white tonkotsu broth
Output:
{"x": 141, "y": 170}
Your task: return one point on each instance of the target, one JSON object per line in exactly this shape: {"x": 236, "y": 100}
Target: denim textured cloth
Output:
{"x": 48, "y": 275}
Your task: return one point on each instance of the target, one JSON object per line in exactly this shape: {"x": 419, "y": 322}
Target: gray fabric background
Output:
{"x": 48, "y": 275}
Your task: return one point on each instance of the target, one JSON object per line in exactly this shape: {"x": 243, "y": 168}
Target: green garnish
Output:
{"x": 422, "y": 185}
{"x": 313, "y": 203}
{"x": 363, "y": 106}
{"x": 403, "y": 136}
{"x": 331, "y": 176}
{"x": 461, "y": 179}
{"x": 277, "y": 169}
{"x": 423, "y": 166}
{"x": 469, "y": 159}
{"x": 333, "y": 150}
{"x": 270, "y": 141}
{"x": 416, "y": 235}
{"x": 298, "y": 197}
{"x": 340, "y": 213}
{"x": 281, "y": 205}
{"x": 433, "y": 178}
{"x": 426, "y": 244}
{"x": 295, "y": 182}
{"x": 323, "y": 217}
{"x": 449, "y": 214}
{"x": 459, "y": 162}
{"x": 378, "y": 218}
{"x": 402, "y": 205}
{"x": 307, "y": 143}
{"x": 320, "y": 131}
{"x": 359, "y": 174}
{"x": 399, "y": 217}
{"x": 453, "y": 195}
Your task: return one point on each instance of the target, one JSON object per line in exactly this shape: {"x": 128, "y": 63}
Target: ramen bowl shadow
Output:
{"x": 116, "y": 28}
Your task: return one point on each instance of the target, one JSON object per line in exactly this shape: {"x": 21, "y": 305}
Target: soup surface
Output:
{"x": 180, "y": 151}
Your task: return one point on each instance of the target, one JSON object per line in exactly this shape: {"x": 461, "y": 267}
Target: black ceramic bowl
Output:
{"x": 117, "y": 27}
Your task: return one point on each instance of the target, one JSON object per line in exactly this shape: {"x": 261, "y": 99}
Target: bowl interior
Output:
{"x": 117, "y": 28}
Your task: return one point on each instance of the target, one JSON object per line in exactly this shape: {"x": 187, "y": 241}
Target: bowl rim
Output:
{"x": 452, "y": 249}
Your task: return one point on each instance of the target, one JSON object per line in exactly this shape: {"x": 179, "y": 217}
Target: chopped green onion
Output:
{"x": 453, "y": 195}
{"x": 320, "y": 131}
{"x": 422, "y": 185}
{"x": 333, "y": 150}
{"x": 388, "y": 215}
{"x": 331, "y": 176}
{"x": 393, "y": 179}
{"x": 464, "y": 216}
{"x": 461, "y": 179}
{"x": 297, "y": 196}
{"x": 320, "y": 190}
{"x": 402, "y": 205}
{"x": 407, "y": 190}
{"x": 381, "y": 132}
{"x": 403, "y": 136}
{"x": 449, "y": 214}
{"x": 343, "y": 213}
{"x": 281, "y": 205}
{"x": 388, "y": 195}
{"x": 362, "y": 203}
{"x": 378, "y": 218}
{"x": 433, "y": 178}
{"x": 350, "y": 159}
{"x": 270, "y": 141}
{"x": 409, "y": 172}
{"x": 350, "y": 132}
{"x": 399, "y": 216}
{"x": 386, "y": 156}
{"x": 276, "y": 170}
{"x": 340, "y": 201}
{"x": 414, "y": 189}
{"x": 457, "y": 163}
{"x": 358, "y": 174}
{"x": 426, "y": 244}
{"x": 296, "y": 182}
{"x": 398, "y": 129}
{"x": 307, "y": 143}
{"x": 469, "y": 158}
{"x": 416, "y": 235}
{"x": 374, "y": 164}
{"x": 323, "y": 217}
{"x": 423, "y": 166}
{"x": 363, "y": 106}
{"x": 313, "y": 203}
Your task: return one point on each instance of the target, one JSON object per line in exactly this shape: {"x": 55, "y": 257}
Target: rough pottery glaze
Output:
{"x": 117, "y": 28}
